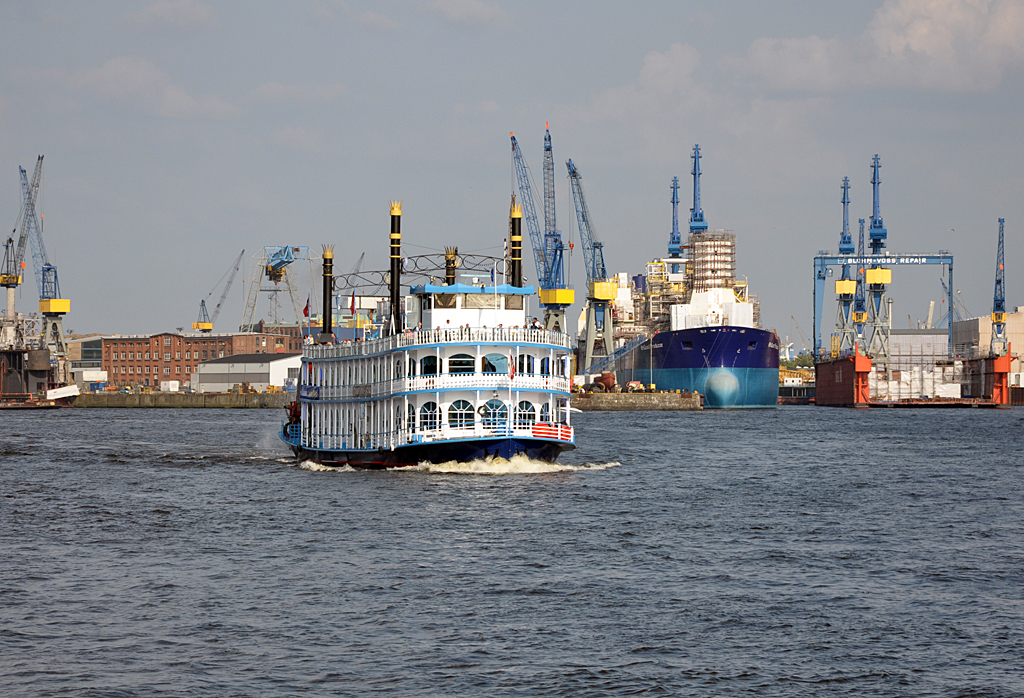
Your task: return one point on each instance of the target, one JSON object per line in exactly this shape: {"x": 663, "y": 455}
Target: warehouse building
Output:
{"x": 258, "y": 370}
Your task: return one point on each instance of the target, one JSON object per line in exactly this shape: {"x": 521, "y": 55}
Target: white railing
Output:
{"x": 447, "y": 381}
{"x": 403, "y": 437}
{"x": 475, "y": 335}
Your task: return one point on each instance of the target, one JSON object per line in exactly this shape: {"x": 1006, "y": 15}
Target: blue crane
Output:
{"x": 548, "y": 248}
{"x": 998, "y": 346}
{"x": 600, "y": 291}
{"x": 675, "y": 239}
{"x": 878, "y": 231}
{"x": 860, "y": 306}
{"x": 697, "y": 222}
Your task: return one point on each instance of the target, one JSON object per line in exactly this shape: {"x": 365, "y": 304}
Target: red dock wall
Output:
{"x": 842, "y": 382}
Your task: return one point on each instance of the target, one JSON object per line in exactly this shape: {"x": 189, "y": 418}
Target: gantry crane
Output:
{"x": 12, "y": 274}
{"x": 998, "y": 346}
{"x": 600, "y": 292}
{"x": 675, "y": 238}
{"x": 846, "y": 288}
{"x": 548, "y": 248}
{"x": 205, "y": 322}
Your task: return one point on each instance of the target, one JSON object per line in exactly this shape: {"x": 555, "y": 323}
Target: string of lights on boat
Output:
{"x": 421, "y": 269}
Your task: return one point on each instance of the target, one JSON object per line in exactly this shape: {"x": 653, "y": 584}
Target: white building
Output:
{"x": 258, "y": 370}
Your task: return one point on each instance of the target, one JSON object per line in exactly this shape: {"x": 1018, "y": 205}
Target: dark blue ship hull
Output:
{"x": 461, "y": 450}
{"x": 732, "y": 367}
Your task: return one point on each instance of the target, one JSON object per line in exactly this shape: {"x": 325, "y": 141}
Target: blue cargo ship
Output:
{"x": 697, "y": 328}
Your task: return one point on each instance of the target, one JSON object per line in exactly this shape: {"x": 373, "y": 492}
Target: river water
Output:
{"x": 794, "y": 552}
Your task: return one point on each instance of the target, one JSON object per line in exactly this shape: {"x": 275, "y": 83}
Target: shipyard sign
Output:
{"x": 886, "y": 259}
{"x": 309, "y": 392}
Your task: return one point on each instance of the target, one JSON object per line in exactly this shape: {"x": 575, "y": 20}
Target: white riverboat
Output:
{"x": 472, "y": 380}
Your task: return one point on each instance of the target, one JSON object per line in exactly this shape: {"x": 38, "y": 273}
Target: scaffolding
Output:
{"x": 713, "y": 260}
{"x": 916, "y": 371}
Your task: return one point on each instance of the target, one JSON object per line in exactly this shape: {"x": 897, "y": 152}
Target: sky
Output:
{"x": 179, "y": 132}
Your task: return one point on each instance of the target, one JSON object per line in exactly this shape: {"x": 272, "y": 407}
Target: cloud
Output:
{"x": 948, "y": 45}
{"x": 372, "y": 20}
{"x": 469, "y": 12}
{"x": 177, "y": 13}
{"x": 304, "y": 93}
{"x": 138, "y": 81}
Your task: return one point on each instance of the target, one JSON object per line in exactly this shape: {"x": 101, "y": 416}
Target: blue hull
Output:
{"x": 462, "y": 451}
{"x": 732, "y": 367}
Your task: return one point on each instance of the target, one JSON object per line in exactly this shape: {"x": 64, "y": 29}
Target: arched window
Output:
{"x": 460, "y": 415}
{"x": 545, "y": 413}
{"x": 495, "y": 413}
{"x": 412, "y": 417}
{"x": 495, "y": 363}
{"x": 525, "y": 413}
{"x": 412, "y": 367}
{"x": 428, "y": 367}
{"x": 430, "y": 416}
{"x": 545, "y": 366}
{"x": 525, "y": 364}
{"x": 398, "y": 368}
{"x": 398, "y": 418}
{"x": 461, "y": 363}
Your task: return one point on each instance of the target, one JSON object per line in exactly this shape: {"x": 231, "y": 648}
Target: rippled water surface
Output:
{"x": 797, "y": 551}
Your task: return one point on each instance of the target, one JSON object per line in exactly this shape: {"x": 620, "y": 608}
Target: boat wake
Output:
{"x": 517, "y": 465}
{"x": 315, "y": 467}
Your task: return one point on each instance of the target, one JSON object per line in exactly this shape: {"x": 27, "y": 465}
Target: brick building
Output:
{"x": 145, "y": 360}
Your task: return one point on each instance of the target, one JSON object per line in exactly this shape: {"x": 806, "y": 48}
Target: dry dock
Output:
{"x": 635, "y": 402}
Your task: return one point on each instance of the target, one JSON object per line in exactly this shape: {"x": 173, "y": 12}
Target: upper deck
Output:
{"x": 491, "y": 336}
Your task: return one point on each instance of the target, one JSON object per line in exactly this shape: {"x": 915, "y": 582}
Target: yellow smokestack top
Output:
{"x": 396, "y": 208}
{"x": 517, "y": 211}
{"x": 328, "y": 251}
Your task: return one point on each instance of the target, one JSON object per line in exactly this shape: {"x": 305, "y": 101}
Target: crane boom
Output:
{"x": 227, "y": 286}
{"x": 998, "y": 347}
{"x": 803, "y": 339}
{"x": 530, "y": 213}
{"x": 593, "y": 250}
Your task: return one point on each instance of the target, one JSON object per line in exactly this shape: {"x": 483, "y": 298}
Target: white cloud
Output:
{"x": 372, "y": 20}
{"x": 304, "y": 93}
{"x": 469, "y": 11}
{"x": 138, "y": 81}
{"x": 951, "y": 45}
{"x": 178, "y": 13}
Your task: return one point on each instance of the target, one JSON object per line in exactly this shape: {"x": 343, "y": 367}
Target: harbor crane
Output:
{"x": 269, "y": 270}
{"x": 803, "y": 340}
{"x": 51, "y": 305}
{"x": 846, "y": 287}
{"x": 998, "y": 345}
{"x": 205, "y": 322}
{"x": 600, "y": 292}
{"x": 548, "y": 248}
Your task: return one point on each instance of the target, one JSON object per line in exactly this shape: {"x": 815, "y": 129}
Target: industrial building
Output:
{"x": 148, "y": 360}
{"x": 259, "y": 371}
{"x": 971, "y": 339}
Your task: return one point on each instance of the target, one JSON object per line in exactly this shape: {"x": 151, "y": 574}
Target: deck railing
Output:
{"x": 447, "y": 381}
{"x": 456, "y": 335}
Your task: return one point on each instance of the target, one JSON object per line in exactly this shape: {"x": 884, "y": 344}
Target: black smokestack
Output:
{"x": 516, "y": 245}
{"x": 451, "y": 260}
{"x": 327, "y": 332}
{"x": 396, "y": 266}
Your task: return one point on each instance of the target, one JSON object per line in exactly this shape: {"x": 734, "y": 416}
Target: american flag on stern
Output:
{"x": 542, "y": 430}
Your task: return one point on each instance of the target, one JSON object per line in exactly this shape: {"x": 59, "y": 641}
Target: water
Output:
{"x": 791, "y": 552}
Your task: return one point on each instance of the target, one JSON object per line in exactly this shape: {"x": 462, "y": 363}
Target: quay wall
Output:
{"x": 222, "y": 400}
{"x": 635, "y": 402}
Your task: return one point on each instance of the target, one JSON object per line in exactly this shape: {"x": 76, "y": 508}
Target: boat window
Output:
{"x": 494, "y": 413}
{"x": 513, "y": 302}
{"x": 398, "y": 418}
{"x": 412, "y": 418}
{"x": 398, "y": 368}
{"x": 525, "y": 364}
{"x": 687, "y": 345}
{"x": 412, "y": 367}
{"x": 479, "y": 300}
{"x": 495, "y": 363}
{"x": 545, "y": 366}
{"x": 428, "y": 366}
{"x": 460, "y": 415}
{"x": 430, "y": 416}
{"x": 444, "y": 300}
{"x": 461, "y": 363}
{"x": 545, "y": 413}
{"x": 752, "y": 345}
{"x": 525, "y": 413}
